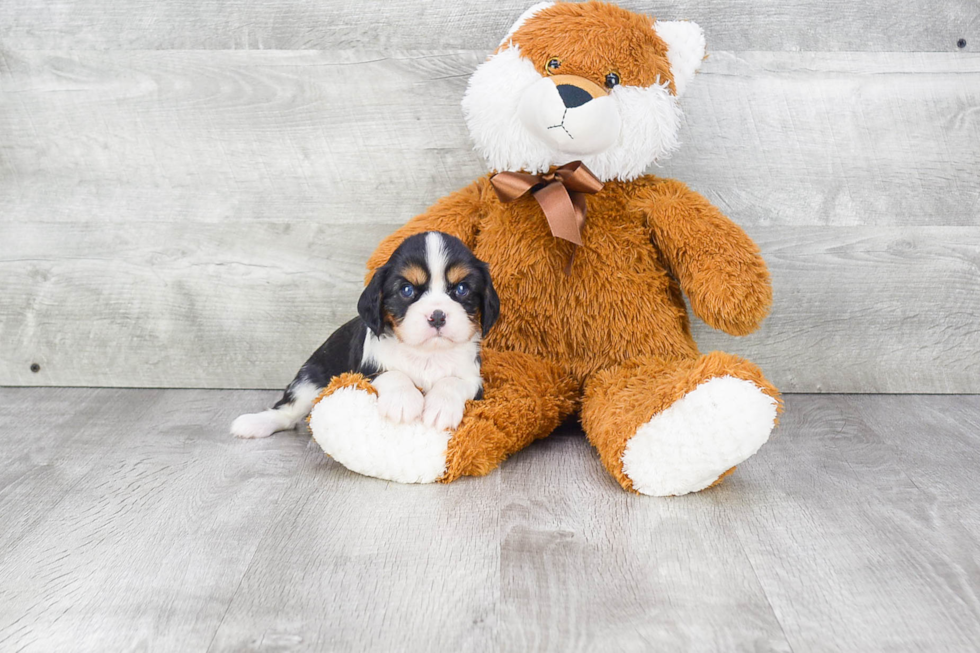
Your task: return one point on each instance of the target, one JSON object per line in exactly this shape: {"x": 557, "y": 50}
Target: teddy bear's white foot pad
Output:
{"x": 349, "y": 428}
{"x": 702, "y": 435}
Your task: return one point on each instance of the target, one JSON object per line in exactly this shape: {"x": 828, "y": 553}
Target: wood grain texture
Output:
{"x": 143, "y": 518}
{"x": 353, "y": 563}
{"x": 348, "y": 137}
{"x": 917, "y": 25}
{"x": 866, "y": 309}
{"x": 200, "y": 219}
{"x": 857, "y": 309}
{"x": 151, "y": 302}
{"x": 359, "y": 136}
{"x": 951, "y": 458}
{"x": 587, "y": 567}
{"x": 140, "y": 524}
{"x": 50, "y": 443}
{"x": 852, "y": 553}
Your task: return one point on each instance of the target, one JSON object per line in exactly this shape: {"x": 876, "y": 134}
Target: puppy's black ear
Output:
{"x": 369, "y": 305}
{"x": 491, "y": 303}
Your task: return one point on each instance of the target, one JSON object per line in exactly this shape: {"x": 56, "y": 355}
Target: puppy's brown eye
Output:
{"x": 553, "y": 65}
{"x": 612, "y": 79}
{"x": 407, "y": 291}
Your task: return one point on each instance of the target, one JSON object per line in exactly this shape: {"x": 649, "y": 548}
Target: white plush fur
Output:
{"x": 685, "y": 50}
{"x": 349, "y": 428}
{"x": 592, "y": 127}
{"x": 649, "y": 120}
{"x": 690, "y": 444}
{"x": 264, "y": 424}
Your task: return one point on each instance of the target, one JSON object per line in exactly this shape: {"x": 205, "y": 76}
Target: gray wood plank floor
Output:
{"x": 132, "y": 521}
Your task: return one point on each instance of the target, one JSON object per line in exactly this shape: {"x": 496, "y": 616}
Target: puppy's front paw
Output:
{"x": 402, "y": 404}
{"x": 442, "y": 411}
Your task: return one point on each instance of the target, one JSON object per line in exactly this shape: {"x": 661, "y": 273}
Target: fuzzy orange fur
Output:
{"x": 525, "y": 398}
{"x": 612, "y": 336}
{"x": 621, "y": 399}
{"x": 616, "y": 327}
{"x": 345, "y": 380}
{"x": 593, "y": 39}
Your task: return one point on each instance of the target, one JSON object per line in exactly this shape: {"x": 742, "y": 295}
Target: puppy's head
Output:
{"x": 587, "y": 81}
{"x": 433, "y": 292}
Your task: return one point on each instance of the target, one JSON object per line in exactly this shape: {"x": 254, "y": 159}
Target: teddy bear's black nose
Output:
{"x": 573, "y": 96}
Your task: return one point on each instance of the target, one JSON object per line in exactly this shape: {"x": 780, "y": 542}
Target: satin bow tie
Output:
{"x": 561, "y": 195}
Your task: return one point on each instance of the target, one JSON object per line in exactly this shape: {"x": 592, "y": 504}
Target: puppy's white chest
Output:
{"x": 426, "y": 370}
{"x": 423, "y": 367}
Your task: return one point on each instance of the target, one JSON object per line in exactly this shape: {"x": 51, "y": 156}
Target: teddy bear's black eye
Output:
{"x": 612, "y": 79}
{"x": 553, "y": 64}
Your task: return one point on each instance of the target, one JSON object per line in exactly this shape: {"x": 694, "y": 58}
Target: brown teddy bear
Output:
{"x": 589, "y": 256}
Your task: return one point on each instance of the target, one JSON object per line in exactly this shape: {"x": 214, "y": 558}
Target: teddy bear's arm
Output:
{"x": 457, "y": 214}
{"x": 717, "y": 265}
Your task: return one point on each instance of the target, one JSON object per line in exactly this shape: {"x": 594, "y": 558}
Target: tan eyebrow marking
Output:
{"x": 416, "y": 275}
{"x": 457, "y": 273}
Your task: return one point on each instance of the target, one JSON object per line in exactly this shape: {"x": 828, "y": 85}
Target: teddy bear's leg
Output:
{"x": 524, "y": 398}
{"x": 670, "y": 428}
{"x": 349, "y": 426}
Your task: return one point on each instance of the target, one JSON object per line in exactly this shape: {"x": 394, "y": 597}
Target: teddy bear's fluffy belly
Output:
{"x": 618, "y": 302}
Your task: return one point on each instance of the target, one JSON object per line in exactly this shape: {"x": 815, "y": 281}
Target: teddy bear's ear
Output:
{"x": 685, "y": 49}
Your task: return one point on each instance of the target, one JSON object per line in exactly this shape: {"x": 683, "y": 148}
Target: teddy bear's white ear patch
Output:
{"x": 685, "y": 49}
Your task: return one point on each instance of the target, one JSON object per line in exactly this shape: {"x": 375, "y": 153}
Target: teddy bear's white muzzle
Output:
{"x": 568, "y": 119}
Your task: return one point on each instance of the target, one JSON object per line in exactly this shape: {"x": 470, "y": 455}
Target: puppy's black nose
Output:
{"x": 437, "y": 319}
{"x": 573, "y": 96}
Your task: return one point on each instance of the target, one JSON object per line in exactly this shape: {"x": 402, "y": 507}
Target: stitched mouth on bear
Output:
{"x": 561, "y": 125}
{"x": 571, "y": 114}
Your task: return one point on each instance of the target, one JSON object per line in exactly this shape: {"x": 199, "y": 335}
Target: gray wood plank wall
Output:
{"x": 188, "y": 190}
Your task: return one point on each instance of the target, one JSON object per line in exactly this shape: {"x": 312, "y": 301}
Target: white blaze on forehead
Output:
{"x": 415, "y": 328}
{"x": 435, "y": 257}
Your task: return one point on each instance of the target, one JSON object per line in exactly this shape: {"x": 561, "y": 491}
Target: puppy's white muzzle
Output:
{"x": 571, "y": 114}
{"x": 418, "y": 329}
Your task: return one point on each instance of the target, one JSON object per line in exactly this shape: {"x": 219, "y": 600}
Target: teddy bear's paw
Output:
{"x": 349, "y": 427}
{"x": 686, "y": 447}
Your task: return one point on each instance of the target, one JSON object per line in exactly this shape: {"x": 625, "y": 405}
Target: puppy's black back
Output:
{"x": 342, "y": 352}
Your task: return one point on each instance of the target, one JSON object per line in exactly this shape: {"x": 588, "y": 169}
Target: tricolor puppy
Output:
{"x": 421, "y": 320}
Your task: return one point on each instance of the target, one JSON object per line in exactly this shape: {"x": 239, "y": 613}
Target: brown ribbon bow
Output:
{"x": 560, "y": 193}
